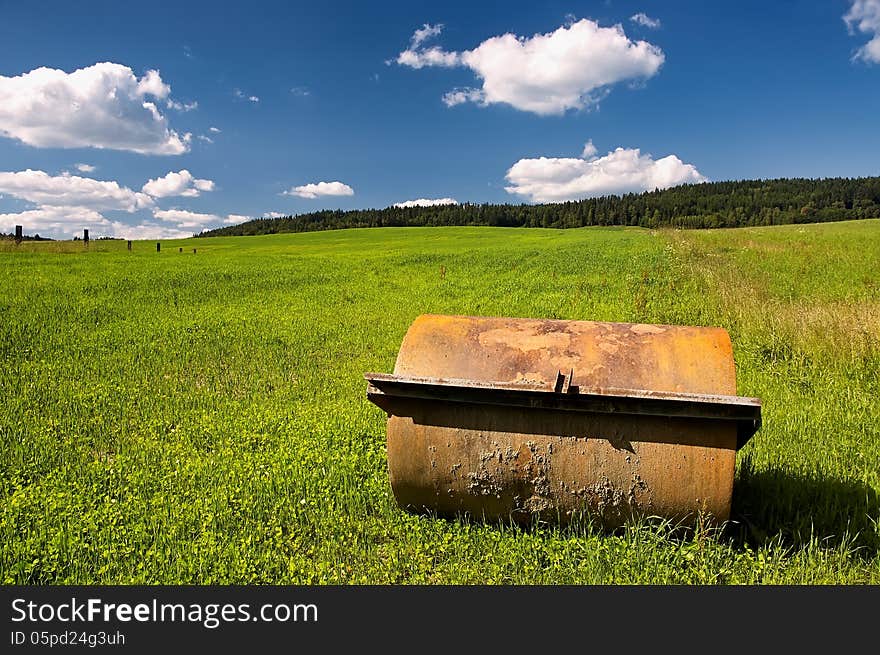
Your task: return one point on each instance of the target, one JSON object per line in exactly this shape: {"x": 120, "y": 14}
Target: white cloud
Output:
{"x": 253, "y": 98}
{"x": 644, "y": 20}
{"x": 66, "y": 204}
{"x": 426, "y": 32}
{"x": 415, "y": 56}
{"x": 864, "y": 15}
{"x": 571, "y": 68}
{"x": 68, "y": 190}
{"x": 215, "y": 130}
{"x": 54, "y": 221}
{"x": 427, "y": 202}
{"x": 150, "y": 84}
{"x": 460, "y": 96}
{"x": 147, "y": 231}
{"x": 320, "y": 189}
{"x": 66, "y": 222}
{"x": 301, "y": 91}
{"x": 206, "y": 139}
{"x": 625, "y": 170}
{"x": 433, "y": 56}
{"x": 185, "y": 218}
{"x": 181, "y": 183}
{"x": 182, "y": 106}
{"x": 85, "y": 168}
{"x": 274, "y": 215}
{"x": 589, "y": 150}
{"x": 101, "y": 106}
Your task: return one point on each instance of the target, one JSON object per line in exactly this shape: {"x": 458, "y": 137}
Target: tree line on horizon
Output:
{"x": 24, "y": 237}
{"x": 742, "y": 203}
{"x": 708, "y": 205}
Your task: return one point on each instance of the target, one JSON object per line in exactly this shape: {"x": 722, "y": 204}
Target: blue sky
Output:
{"x": 273, "y": 107}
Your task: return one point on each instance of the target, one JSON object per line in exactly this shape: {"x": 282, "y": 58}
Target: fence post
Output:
{"x": 129, "y": 246}
{"x": 18, "y": 234}
{"x": 158, "y": 246}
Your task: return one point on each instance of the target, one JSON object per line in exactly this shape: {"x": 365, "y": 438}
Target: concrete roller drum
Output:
{"x": 515, "y": 418}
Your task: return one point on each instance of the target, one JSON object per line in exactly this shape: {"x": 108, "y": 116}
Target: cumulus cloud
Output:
{"x": 54, "y": 221}
{"x": 215, "y": 130}
{"x": 644, "y": 20}
{"x": 67, "y": 190}
{"x": 181, "y": 183}
{"x": 589, "y": 150}
{"x": 182, "y": 106}
{"x": 147, "y": 230}
{"x": 66, "y": 222}
{"x": 66, "y": 204}
{"x": 185, "y": 218}
{"x": 316, "y": 190}
{"x": 570, "y": 68}
{"x": 151, "y": 84}
{"x": 274, "y": 215}
{"x": 61, "y": 222}
{"x": 416, "y": 56}
{"x": 864, "y": 16}
{"x": 461, "y": 96}
{"x": 433, "y": 56}
{"x": 102, "y": 106}
{"x": 85, "y": 168}
{"x": 426, "y": 32}
{"x": 625, "y": 170}
{"x": 427, "y": 202}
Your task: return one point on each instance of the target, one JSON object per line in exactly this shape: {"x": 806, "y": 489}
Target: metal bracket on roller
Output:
{"x": 561, "y": 395}
{"x": 563, "y": 383}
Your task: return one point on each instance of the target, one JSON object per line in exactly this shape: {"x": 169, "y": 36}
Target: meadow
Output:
{"x": 200, "y": 417}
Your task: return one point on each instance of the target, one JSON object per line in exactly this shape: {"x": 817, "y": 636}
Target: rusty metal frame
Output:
{"x": 562, "y": 396}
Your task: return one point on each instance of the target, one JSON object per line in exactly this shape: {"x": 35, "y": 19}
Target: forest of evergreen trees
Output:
{"x": 710, "y": 205}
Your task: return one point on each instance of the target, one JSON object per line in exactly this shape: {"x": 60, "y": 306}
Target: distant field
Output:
{"x": 201, "y": 418}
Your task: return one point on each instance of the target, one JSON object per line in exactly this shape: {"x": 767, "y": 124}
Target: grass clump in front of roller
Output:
{"x": 201, "y": 418}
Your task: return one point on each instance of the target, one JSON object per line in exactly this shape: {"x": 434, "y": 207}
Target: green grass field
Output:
{"x": 201, "y": 418}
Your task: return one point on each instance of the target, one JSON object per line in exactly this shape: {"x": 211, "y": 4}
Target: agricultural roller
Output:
{"x": 517, "y": 418}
